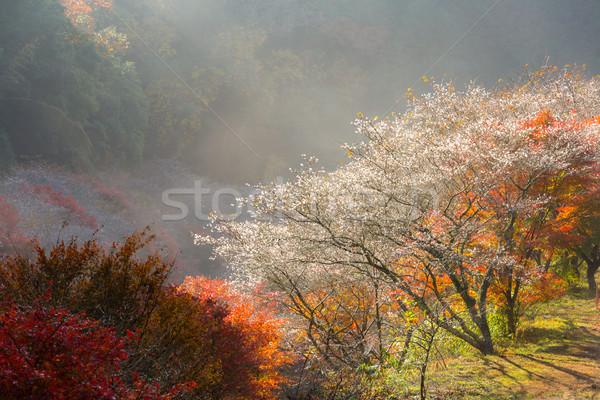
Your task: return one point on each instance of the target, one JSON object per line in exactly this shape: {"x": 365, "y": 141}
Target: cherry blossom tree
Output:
{"x": 440, "y": 203}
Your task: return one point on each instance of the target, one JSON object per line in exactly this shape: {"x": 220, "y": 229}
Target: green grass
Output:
{"x": 555, "y": 356}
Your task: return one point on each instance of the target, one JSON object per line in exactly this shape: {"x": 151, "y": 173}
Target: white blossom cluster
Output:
{"x": 431, "y": 201}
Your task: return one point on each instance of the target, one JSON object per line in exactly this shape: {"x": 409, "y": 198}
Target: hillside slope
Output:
{"x": 556, "y": 356}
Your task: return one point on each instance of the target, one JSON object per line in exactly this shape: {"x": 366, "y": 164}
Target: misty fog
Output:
{"x": 295, "y": 73}
{"x": 147, "y": 96}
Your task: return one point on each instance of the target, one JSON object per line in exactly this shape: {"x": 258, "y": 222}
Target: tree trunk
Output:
{"x": 487, "y": 346}
{"x": 406, "y": 346}
{"x": 511, "y": 318}
{"x": 591, "y": 278}
{"x": 592, "y": 261}
{"x": 512, "y": 313}
{"x": 429, "y": 338}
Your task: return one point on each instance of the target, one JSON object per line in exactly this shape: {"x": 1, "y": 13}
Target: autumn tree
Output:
{"x": 207, "y": 333}
{"x": 442, "y": 202}
{"x": 118, "y": 286}
{"x": 574, "y": 228}
{"x": 245, "y": 338}
{"x": 204, "y": 334}
{"x": 531, "y": 238}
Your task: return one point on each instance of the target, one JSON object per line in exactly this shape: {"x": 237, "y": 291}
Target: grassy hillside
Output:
{"x": 555, "y": 356}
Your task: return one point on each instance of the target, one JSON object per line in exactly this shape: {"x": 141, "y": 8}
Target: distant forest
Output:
{"x": 237, "y": 89}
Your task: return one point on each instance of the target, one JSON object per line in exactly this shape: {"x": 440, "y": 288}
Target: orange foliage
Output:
{"x": 241, "y": 336}
{"x": 518, "y": 283}
{"x": 546, "y": 287}
{"x": 81, "y": 14}
{"x": 80, "y": 11}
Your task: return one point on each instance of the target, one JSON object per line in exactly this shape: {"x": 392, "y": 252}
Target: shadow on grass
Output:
{"x": 534, "y": 334}
{"x": 556, "y": 355}
{"x": 579, "y": 342}
{"x": 575, "y": 374}
{"x": 522, "y": 368}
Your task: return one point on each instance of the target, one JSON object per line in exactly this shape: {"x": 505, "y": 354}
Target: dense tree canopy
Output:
{"x": 63, "y": 96}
